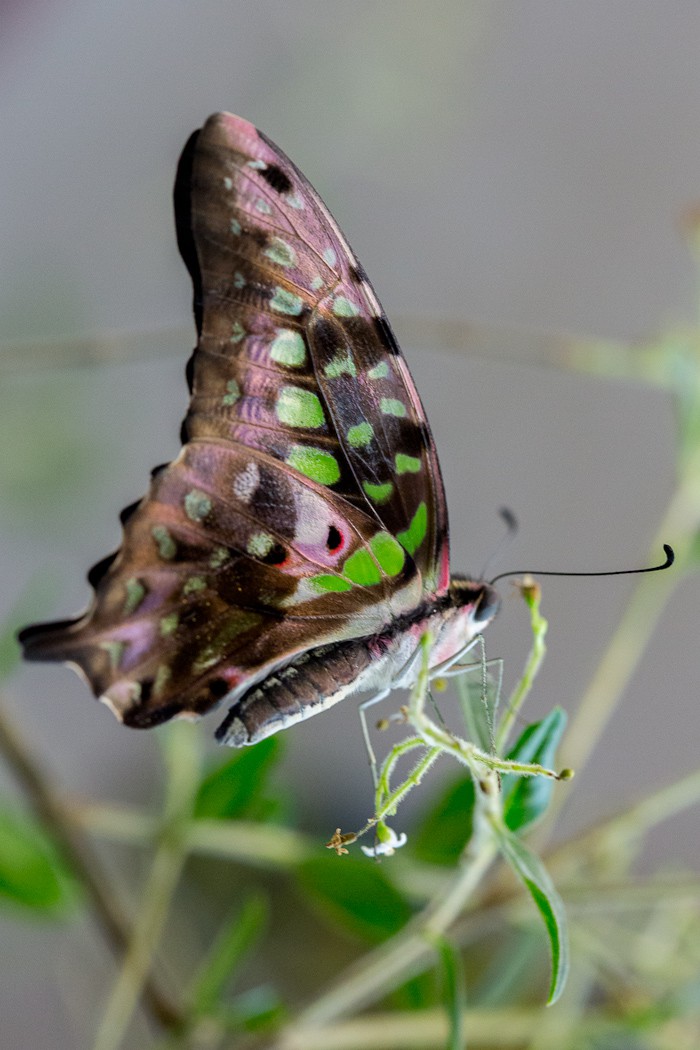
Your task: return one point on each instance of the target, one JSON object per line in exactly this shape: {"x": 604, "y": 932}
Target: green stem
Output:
{"x": 536, "y": 655}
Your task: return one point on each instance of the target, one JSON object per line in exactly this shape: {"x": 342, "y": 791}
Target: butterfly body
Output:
{"x": 297, "y": 549}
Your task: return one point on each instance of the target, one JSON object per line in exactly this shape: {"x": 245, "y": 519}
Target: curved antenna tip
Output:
{"x": 670, "y": 556}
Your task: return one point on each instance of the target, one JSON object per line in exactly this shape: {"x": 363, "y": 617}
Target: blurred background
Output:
{"x": 517, "y": 168}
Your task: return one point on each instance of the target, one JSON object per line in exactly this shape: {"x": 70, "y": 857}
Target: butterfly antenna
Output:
{"x": 668, "y": 551}
{"x": 511, "y": 523}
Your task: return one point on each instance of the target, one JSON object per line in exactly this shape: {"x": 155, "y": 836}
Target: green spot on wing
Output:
{"x": 197, "y": 505}
{"x": 414, "y": 535}
{"x": 407, "y": 464}
{"x": 342, "y": 364}
{"x": 168, "y": 625}
{"x": 388, "y": 552}
{"x": 163, "y": 675}
{"x": 288, "y": 348}
{"x": 299, "y": 408}
{"x": 164, "y": 541}
{"x": 286, "y": 302}
{"x": 262, "y": 206}
{"x": 342, "y": 307}
{"x": 114, "y": 650}
{"x": 330, "y": 257}
{"x": 260, "y": 544}
{"x": 280, "y": 252}
{"x": 380, "y": 371}
{"x": 314, "y": 463}
{"x": 220, "y": 555}
{"x": 233, "y": 393}
{"x": 235, "y": 227}
{"x": 327, "y": 582}
{"x": 378, "y": 493}
{"x": 391, "y": 406}
{"x": 194, "y": 584}
{"x": 361, "y": 568}
{"x": 237, "y": 332}
{"x": 361, "y": 435}
{"x": 135, "y": 593}
{"x": 237, "y": 623}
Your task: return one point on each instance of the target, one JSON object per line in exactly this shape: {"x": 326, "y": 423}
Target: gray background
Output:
{"x": 520, "y": 164}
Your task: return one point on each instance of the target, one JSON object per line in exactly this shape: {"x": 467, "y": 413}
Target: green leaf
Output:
{"x": 530, "y": 870}
{"x": 236, "y": 787}
{"x": 355, "y": 895}
{"x": 31, "y": 873}
{"x": 525, "y": 799}
{"x": 453, "y": 992}
{"x": 235, "y": 940}
{"x": 447, "y": 827}
{"x": 478, "y": 710}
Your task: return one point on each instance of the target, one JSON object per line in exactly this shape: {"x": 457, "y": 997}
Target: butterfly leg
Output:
{"x": 377, "y": 698}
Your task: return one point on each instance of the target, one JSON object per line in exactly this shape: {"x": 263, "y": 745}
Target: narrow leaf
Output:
{"x": 529, "y": 868}
{"x": 32, "y": 874}
{"x": 525, "y": 799}
{"x": 236, "y": 788}
{"x": 453, "y": 992}
{"x": 447, "y": 827}
{"x": 354, "y": 895}
{"x": 478, "y": 710}
{"x": 233, "y": 943}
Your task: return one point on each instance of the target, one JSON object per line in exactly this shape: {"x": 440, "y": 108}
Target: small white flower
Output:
{"x": 387, "y": 845}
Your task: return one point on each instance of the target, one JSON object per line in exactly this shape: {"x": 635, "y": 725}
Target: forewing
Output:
{"x": 295, "y": 355}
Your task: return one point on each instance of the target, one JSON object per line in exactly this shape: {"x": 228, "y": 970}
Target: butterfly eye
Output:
{"x": 335, "y": 540}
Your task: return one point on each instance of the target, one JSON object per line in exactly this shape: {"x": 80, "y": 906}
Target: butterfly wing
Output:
{"x": 306, "y": 505}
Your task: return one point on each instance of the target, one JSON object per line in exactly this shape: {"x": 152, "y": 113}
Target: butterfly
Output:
{"x": 296, "y": 551}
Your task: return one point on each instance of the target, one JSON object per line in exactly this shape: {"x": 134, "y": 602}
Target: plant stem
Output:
{"x": 381, "y": 970}
{"x": 76, "y": 849}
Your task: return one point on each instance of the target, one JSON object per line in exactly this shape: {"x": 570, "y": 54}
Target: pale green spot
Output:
{"x": 168, "y": 625}
{"x": 235, "y": 227}
{"x": 259, "y": 165}
{"x": 380, "y": 371}
{"x": 330, "y": 257}
{"x": 407, "y": 464}
{"x": 391, "y": 406}
{"x": 197, "y": 505}
{"x": 135, "y": 593}
{"x": 163, "y": 676}
{"x": 220, "y": 555}
{"x": 260, "y": 544}
{"x": 164, "y": 541}
{"x": 361, "y": 568}
{"x": 360, "y": 435}
{"x": 286, "y": 302}
{"x": 295, "y": 202}
{"x": 388, "y": 552}
{"x": 194, "y": 584}
{"x": 342, "y": 364}
{"x": 288, "y": 348}
{"x": 414, "y": 535}
{"x": 238, "y": 280}
{"x": 317, "y": 283}
{"x": 378, "y": 493}
{"x": 299, "y": 408}
{"x": 314, "y": 463}
{"x": 237, "y": 332}
{"x": 342, "y": 307}
{"x": 280, "y": 252}
{"x": 233, "y": 393}
{"x": 237, "y": 623}
{"x": 263, "y": 207}
{"x": 228, "y": 183}
{"x": 115, "y": 651}
{"x": 327, "y": 582}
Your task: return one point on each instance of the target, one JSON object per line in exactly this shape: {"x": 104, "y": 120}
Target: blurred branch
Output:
{"x": 81, "y": 858}
{"x": 488, "y": 341}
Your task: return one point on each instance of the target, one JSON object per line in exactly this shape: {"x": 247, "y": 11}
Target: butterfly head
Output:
{"x": 478, "y": 600}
